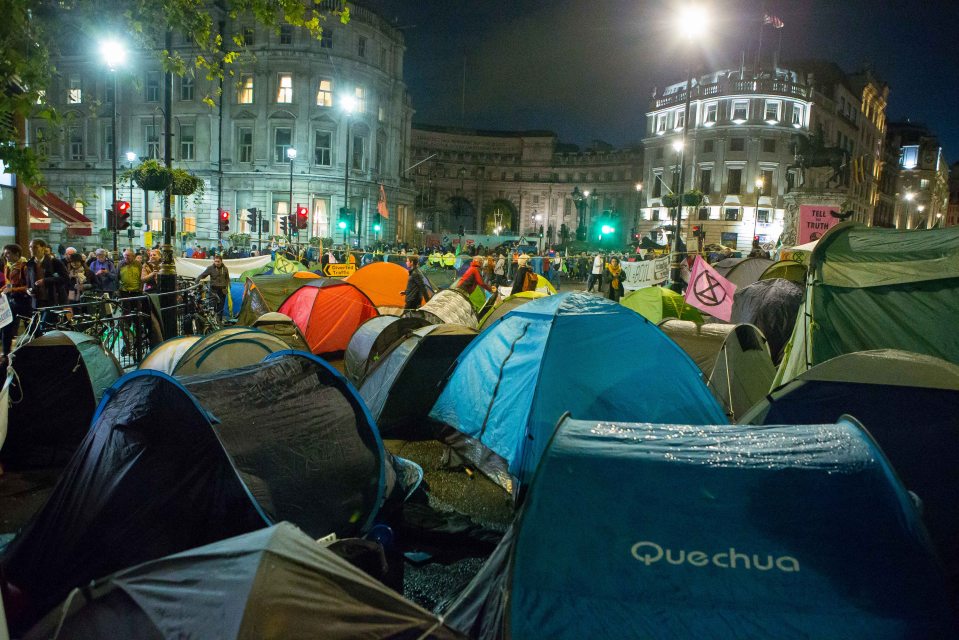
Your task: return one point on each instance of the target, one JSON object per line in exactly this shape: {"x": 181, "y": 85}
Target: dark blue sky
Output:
{"x": 585, "y": 69}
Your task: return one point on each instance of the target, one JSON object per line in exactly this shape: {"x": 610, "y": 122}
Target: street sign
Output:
{"x": 339, "y": 270}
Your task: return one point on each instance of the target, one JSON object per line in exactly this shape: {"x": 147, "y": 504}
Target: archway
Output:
{"x": 500, "y": 213}
{"x": 462, "y": 214}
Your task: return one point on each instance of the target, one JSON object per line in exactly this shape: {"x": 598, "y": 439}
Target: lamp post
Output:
{"x": 579, "y": 199}
{"x": 537, "y": 219}
{"x": 291, "y": 156}
{"x": 692, "y": 23}
{"x": 909, "y": 196}
{"x": 131, "y": 158}
{"x": 348, "y": 103}
{"x": 114, "y": 55}
{"x": 759, "y": 191}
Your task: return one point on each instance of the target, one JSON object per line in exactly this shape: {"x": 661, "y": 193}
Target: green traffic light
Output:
{"x": 607, "y": 229}
{"x": 376, "y": 227}
{"x": 341, "y": 224}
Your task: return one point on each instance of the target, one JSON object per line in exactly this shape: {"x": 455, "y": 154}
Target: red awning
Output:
{"x": 51, "y": 204}
{"x": 39, "y": 221}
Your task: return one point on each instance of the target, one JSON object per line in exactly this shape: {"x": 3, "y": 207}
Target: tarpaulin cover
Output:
{"x": 507, "y": 304}
{"x": 229, "y": 348}
{"x": 266, "y": 293}
{"x": 283, "y": 327}
{"x": 170, "y": 465}
{"x": 873, "y": 288}
{"x": 675, "y": 531}
{"x": 658, "y": 303}
{"x": 571, "y": 352}
{"x": 165, "y": 356}
{"x": 701, "y": 342}
{"x": 372, "y": 340}
{"x": 770, "y": 305}
{"x": 57, "y": 382}
{"x": 401, "y": 388}
{"x": 743, "y": 370}
{"x": 742, "y": 271}
{"x": 449, "y": 306}
{"x": 327, "y": 313}
{"x": 276, "y": 583}
{"x": 382, "y": 282}
{"x": 908, "y": 402}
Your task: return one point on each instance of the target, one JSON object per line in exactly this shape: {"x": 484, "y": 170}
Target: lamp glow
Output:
{"x": 113, "y": 53}
{"x": 693, "y": 21}
{"x": 348, "y": 103}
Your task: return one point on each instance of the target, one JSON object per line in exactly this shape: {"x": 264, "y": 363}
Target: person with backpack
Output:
{"x": 416, "y": 292}
{"x": 525, "y": 278}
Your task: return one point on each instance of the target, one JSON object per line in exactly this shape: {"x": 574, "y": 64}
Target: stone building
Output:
{"x": 921, "y": 176}
{"x": 289, "y": 97}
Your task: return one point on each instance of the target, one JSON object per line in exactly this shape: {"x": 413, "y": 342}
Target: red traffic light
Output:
{"x": 302, "y": 213}
{"x": 123, "y": 206}
{"x": 224, "y": 221}
{"x": 224, "y": 215}
{"x": 696, "y": 228}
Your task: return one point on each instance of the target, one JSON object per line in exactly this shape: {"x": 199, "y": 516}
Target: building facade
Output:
{"x": 741, "y": 147}
{"x": 952, "y": 211}
{"x": 489, "y": 183}
{"x": 920, "y": 175}
{"x": 289, "y": 96}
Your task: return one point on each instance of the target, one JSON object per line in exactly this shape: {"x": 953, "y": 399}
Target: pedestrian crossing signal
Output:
{"x": 224, "y": 222}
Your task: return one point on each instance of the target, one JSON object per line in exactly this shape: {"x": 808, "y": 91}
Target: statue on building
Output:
{"x": 819, "y": 167}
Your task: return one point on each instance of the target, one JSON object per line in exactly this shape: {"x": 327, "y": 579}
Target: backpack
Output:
{"x": 530, "y": 281}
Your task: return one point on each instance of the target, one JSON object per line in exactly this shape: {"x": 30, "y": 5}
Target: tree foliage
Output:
{"x": 32, "y": 33}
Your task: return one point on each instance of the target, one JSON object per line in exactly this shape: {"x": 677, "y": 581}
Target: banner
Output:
{"x": 815, "y": 220}
{"x": 645, "y": 273}
{"x": 192, "y": 267}
{"x": 381, "y": 204}
{"x": 6, "y": 314}
{"x": 710, "y": 292}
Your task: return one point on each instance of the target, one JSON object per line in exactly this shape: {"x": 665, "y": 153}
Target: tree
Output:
{"x": 32, "y": 34}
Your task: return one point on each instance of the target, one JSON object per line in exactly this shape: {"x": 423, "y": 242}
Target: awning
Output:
{"x": 51, "y": 205}
{"x": 39, "y": 221}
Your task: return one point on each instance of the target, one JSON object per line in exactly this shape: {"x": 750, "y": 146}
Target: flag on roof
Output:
{"x": 381, "y": 204}
{"x": 773, "y": 20}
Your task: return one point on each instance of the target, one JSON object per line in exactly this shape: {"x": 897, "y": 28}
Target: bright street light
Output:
{"x": 348, "y": 103}
{"x": 606, "y": 229}
{"x": 692, "y": 21}
{"x": 291, "y": 153}
{"x": 419, "y": 224}
{"x": 921, "y": 208}
{"x": 909, "y": 195}
{"x": 341, "y": 224}
{"x": 131, "y": 156}
{"x": 677, "y": 145}
{"x": 639, "y": 186}
{"x": 586, "y": 193}
{"x": 760, "y": 183}
{"x": 113, "y": 53}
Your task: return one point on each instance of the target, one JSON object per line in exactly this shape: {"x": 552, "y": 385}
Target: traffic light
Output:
{"x": 302, "y": 215}
{"x": 111, "y": 221}
{"x": 291, "y": 222}
{"x": 346, "y": 219}
{"x": 123, "y": 215}
{"x": 224, "y": 222}
{"x": 377, "y": 227}
{"x": 251, "y": 217}
{"x": 462, "y": 230}
{"x": 540, "y": 231}
{"x": 285, "y": 225}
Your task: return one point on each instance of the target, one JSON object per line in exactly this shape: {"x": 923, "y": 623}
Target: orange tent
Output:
{"x": 327, "y": 312}
{"x": 382, "y": 282}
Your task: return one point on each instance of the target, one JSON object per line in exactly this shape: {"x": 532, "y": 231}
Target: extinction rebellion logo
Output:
{"x": 650, "y": 553}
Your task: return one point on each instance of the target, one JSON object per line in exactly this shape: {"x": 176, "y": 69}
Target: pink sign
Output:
{"x": 710, "y": 292}
{"x": 815, "y": 220}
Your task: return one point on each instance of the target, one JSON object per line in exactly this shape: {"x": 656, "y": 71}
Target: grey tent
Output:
{"x": 229, "y": 348}
{"x": 54, "y": 383}
{"x": 701, "y": 342}
{"x": 283, "y": 327}
{"x": 743, "y": 371}
{"x": 771, "y": 305}
{"x": 742, "y": 271}
{"x": 275, "y": 583}
{"x": 401, "y": 388}
{"x": 372, "y": 340}
{"x": 165, "y": 356}
{"x": 449, "y": 306}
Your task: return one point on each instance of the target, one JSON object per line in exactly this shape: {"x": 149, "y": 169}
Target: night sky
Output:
{"x": 585, "y": 68}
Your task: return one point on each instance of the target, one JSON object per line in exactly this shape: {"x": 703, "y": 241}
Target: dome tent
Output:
{"x": 276, "y": 583}
{"x": 658, "y": 303}
{"x": 229, "y": 348}
{"x": 742, "y": 271}
{"x": 265, "y": 293}
{"x": 328, "y": 312}
{"x": 507, "y": 304}
{"x": 165, "y": 356}
{"x": 787, "y": 270}
{"x": 282, "y": 327}
{"x": 690, "y": 531}
{"x": 55, "y": 382}
{"x": 372, "y": 340}
{"x": 772, "y": 306}
{"x": 449, "y": 306}
{"x": 170, "y": 464}
{"x": 701, "y": 342}
{"x": 524, "y": 360}
{"x": 382, "y": 282}
{"x": 743, "y": 371}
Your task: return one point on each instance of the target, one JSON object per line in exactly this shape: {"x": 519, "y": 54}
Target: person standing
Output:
{"x": 80, "y": 277}
{"x": 129, "y": 275}
{"x": 473, "y": 278}
{"x": 104, "y": 272}
{"x": 615, "y": 276}
{"x": 45, "y": 274}
{"x": 150, "y": 273}
{"x": 219, "y": 282}
{"x": 16, "y": 286}
{"x": 525, "y": 278}
{"x": 416, "y": 293}
{"x": 596, "y": 274}
{"x": 499, "y": 270}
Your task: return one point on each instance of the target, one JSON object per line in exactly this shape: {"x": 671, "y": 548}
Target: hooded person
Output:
{"x": 525, "y": 278}
{"x": 473, "y": 278}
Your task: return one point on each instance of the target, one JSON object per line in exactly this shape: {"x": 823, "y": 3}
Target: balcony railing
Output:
{"x": 733, "y": 87}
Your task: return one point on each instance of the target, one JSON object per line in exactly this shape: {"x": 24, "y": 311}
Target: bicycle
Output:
{"x": 201, "y": 311}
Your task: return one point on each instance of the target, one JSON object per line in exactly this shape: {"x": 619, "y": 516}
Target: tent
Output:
{"x": 234, "y": 302}
{"x": 908, "y": 402}
{"x": 277, "y": 266}
{"x": 382, "y": 282}
{"x": 787, "y": 270}
{"x": 799, "y": 253}
{"x": 657, "y": 303}
{"x": 742, "y": 271}
{"x": 229, "y": 348}
{"x": 449, "y": 306}
{"x": 283, "y": 327}
{"x": 265, "y": 293}
{"x": 275, "y": 583}
{"x": 743, "y": 370}
{"x": 439, "y": 277}
{"x": 507, "y": 304}
{"x": 543, "y": 285}
{"x": 327, "y": 312}
{"x": 772, "y": 306}
{"x": 675, "y": 531}
{"x": 874, "y": 288}
{"x": 571, "y": 352}
{"x": 54, "y": 383}
{"x": 372, "y": 340}
{"x": 165, "y": 356}
{"x": 170, "y": 464}
{"x": 401, "y": 388}
{"x": 701, "y": 342}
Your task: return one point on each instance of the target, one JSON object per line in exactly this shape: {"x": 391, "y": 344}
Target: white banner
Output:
{"x": 192, "y": 267}
{"x": 6, "y": 314}
{"x": 645, "y": 273}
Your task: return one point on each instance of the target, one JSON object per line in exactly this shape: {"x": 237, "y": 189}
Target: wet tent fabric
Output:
{"x": 276, "y": 583}
{"x": 229, "y": 348}
{"x": 772, "y": 306}
{"x": 382, "y": 283}
{"x": 787, "y": 270}
{"x": 172, "y": 464}
{"x": 265, "y": 293}
{"x": 401, "y": 388}
{"x": 372, "y": 340}
{"x": 676, "y": 531}
{"x": 165, "y": 356}
{"x": 327, "y": 313}
{"x": 658, "y": 303}
{"x": 55, "y": 383}
{"x": 514, "y": 381}
{"x": 283, "y": 327}
{"x": 908, "y": 402}
{"x": 507, "y": 304}
{"x": 873, "y": 288}
{"x": 743, "y": 371}
{"x": 701, "y": 342}
{"x": 742, "y": 271}
{"x": 449, "y": 306}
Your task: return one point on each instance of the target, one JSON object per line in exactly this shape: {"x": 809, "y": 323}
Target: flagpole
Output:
{"x": 759, "y": 51}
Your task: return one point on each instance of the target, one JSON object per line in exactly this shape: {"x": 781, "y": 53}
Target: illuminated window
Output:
{"x": 74, "y": 91}
{"x": 245, "y": 93}
{"x": 360, "y": 94}
{"x": 797, "y": 118}
{"x": 324, "y": 94}
{"x": 284, "y": 88}
{"x": 712, "y": 112}
{"x": 909, "y": 157}
{"x": 189, "y": 224}
{"x": 772, "y": 110}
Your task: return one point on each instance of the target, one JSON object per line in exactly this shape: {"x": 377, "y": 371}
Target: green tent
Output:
{"x": 265, "y": 293}
{"x": 787, "y": 270}
{"x": 658, "y": 303}
{"x": 507, "y": 304}
{"x": 872, "y": 288}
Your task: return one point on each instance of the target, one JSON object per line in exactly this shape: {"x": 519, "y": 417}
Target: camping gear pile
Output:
{"x": 549, "y": 465}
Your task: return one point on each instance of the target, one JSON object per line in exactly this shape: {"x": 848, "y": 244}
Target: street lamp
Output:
{"x": 291, "y": 156}
{"x": 759, "y": 191}
{"x": 131, "y": 158}
{"x": 114, "y": 55}
{"x": 348, "y": 103}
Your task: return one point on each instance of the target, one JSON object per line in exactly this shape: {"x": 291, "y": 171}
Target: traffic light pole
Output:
{"x": 113, "y": 154}
{"x": 167, "y": 278}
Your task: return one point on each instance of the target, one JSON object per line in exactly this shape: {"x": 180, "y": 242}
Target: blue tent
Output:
{"x": 236, "y": 296}
{"x": 571, "y": 352}
{"x": 675, "y": 531}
